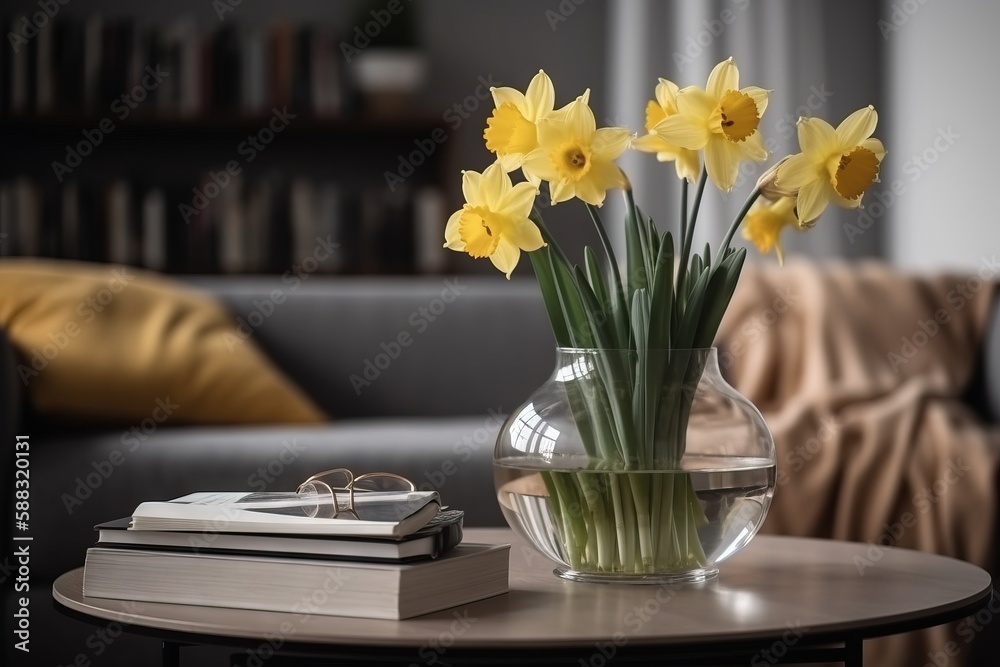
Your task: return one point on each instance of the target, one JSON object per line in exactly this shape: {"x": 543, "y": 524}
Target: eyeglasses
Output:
{"x": 335, "y": 488}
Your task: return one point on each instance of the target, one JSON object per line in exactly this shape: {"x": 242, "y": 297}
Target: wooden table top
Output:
{"x": 820, "y": 588}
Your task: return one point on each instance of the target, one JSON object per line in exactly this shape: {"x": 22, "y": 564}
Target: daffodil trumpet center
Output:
{"x": 735, "y": 117}
{"x": 508, "y": 131}
{"x": 480, "y": 230}
{"x": 572, "y": 161}
{"x": 853, "y": 172}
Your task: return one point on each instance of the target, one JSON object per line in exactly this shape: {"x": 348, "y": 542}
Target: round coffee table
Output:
{"x": 780, "y": 598}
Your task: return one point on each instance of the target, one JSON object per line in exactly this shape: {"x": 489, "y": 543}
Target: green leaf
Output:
{"x": 541, "y": 262}
{"x": 719, "y": 293}
{"x": 635, "y": 261}
{"x": 615, "y": 291}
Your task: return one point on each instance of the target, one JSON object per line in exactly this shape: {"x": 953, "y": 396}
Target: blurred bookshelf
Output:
{"x": 233, "y": 150}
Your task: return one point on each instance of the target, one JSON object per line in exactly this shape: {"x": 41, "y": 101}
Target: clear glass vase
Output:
{"x": 642, "y": 467}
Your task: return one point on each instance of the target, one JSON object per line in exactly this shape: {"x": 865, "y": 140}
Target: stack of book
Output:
{"x": 398, "y": 555}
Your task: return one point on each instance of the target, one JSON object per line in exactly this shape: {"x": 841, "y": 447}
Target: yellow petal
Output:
{"x": 688, "y": 165}
{"x": 753, "y": 148}
{"x": 561, "y": 191}
{"x": 817, "y": 137}
{"x": 693, "y": 101}
{"x": 798, "y": 170}
{"x": 452, "y": 241}
{"x": 472, "y": 188}
{"x": 580, "y": 120}
{"x": 603, "y": 176}
{"x": 610, "y": 142}
{"x": 857, "y": 127}
{"x": 812, "y": 200}
{"x": 722, "y": 161}
{"x": 504, "y": 95}
{"x": 517, "y": 202}
{"x": 505, "y": 256}
{"x": 587, "y": 190}
{"x": 650, "y": 143}
{"x": 725, "y": 76}
{"x": 538, "y": 165}
{"x": 875, "y": 146}
{"x": 554, "y": 131}
{"x": 541, "y": 96}
{"x": 759, "y": 96}
{"x": 493, "y": 186}
{"x": 510, "y": 161}
{"x": 526, "y": 236}
{"x": 666, "y": 95}
{"x": 683, "y": 131}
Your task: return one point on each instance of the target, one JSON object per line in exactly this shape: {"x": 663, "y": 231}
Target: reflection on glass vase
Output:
{"x": 642, "y": 467}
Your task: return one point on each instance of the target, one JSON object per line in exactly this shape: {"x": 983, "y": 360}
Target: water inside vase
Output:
{"x": 590, "y": 520}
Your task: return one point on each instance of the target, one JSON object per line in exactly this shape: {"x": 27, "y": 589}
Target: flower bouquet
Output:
{"x": 613, "y": 487}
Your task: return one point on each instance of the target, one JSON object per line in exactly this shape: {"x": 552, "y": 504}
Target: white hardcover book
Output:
{"x": 375, "y": 514}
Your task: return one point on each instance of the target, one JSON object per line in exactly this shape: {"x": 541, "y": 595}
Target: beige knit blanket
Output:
{"x": 859, "y": 372}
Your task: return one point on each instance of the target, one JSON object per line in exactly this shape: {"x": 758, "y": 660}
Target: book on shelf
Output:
{"x": 437, "y": 537}
{"x": 466, "y": 573}
{"x": 77, "y": 65}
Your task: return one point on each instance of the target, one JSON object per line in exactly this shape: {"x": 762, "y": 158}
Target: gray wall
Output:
{"x": 942, "y": 157}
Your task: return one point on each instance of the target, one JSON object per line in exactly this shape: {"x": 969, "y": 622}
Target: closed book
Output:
{"x": 431, "y": 541}
{"x": 467, "y": 573}
{"x": 375, "y": 514}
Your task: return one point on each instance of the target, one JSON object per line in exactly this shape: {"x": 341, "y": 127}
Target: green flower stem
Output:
{"x": 737, "y": 221}
{"x": 688, "y": 236}
{"x": 684, "y": 207}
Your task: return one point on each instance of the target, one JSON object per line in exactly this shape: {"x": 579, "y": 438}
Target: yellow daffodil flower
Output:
{"x": 510, "y": 130}
{"x": 494, "y": 220}
{"x": 835, "y": 165}
{"x": 766, "y": 220}
{"x": 687, "y": 162}
{"x": 575, "y": 157}
{"x": 722, "y": 120}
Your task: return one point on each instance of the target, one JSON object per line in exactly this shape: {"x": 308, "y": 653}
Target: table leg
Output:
{"x": 170, "y": 654}
{"x": 854, "y": 652}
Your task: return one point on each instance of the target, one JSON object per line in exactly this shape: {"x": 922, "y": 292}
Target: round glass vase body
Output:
{"x": 643, "y": 467}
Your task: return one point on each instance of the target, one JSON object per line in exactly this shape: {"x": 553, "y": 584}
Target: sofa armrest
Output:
{"x": 10, "y": 391}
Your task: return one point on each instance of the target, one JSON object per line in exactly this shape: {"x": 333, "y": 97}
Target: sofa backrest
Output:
{"x": 403, "y": 346}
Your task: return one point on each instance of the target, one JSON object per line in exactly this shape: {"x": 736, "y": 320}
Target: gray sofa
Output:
{"x": 429, "y": 408}
{"x": 417, "y": 375}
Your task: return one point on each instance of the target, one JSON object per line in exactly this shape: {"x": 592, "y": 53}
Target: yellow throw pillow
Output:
{"x": 112, "y": 343}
